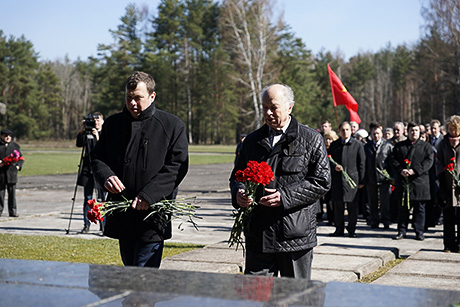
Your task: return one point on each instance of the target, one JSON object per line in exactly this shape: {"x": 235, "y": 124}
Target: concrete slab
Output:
{"x": 417, "y": 281}
{"x": 211, "y": 255}
{"x": 168, "y": 264}
{"x": 427, "y": 268}
{"x": 431, "y": 255}
{"x": 384, "y": 253}
{"x": 331, "y": 275}
{"x": 359, "y": 265}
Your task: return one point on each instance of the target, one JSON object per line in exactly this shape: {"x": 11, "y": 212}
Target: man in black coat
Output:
{"x": 378, "y": 171}
{"x": 142, "y": 155}
{"x": 9, "y": 170}
{"x": 349, "y": 155}
{"x": 411, "y": 161}
{"x": 281, "y": 232}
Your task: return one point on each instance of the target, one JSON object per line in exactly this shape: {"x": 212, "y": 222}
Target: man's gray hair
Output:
{"x": 288, "y": 94}
{"x": 400, "y": 124}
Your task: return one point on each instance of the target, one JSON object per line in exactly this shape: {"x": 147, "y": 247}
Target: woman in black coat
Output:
{"x": 448, "y": 155}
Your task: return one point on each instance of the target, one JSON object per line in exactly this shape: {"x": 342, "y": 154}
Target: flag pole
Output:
{"x": 336, "y": 117}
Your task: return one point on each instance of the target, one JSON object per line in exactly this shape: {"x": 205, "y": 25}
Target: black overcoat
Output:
{"x": 421, "y": 156}
{"x": 353, "y": 160}
{"x": 150, "y": 156}
{"x": 377, "y": 161}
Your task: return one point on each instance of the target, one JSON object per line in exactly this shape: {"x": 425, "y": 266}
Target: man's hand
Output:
{"x": 271, "y": 200}
{"x": 338, "y": 168}
{"x": 242, "y": 199}
{"x": 95, "y": 133}
{"x": 114, "y": 185}
{"x": 407, "y": 172}
{"x": 139, "y": 203}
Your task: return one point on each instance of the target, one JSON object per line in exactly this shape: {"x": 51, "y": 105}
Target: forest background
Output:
{"x": 211, "y": 61}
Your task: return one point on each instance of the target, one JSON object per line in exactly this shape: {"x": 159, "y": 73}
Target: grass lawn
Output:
{"x": 54, "y": 248}
{"x": 50, "y": 161}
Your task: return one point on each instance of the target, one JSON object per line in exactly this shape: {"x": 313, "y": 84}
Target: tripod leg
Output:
{"x": 75, "y": 190}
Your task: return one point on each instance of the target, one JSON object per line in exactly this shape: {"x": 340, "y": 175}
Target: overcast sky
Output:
{"x": 74, "y": 28}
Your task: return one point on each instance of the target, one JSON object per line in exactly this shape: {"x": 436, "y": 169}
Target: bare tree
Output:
{"x": 248, "y": 33}
{"x": 443, "y": 17}
{"x": 76, "y": 95}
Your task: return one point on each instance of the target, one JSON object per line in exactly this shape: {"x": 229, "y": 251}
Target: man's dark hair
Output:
{"x": 411, "y": 125}
{"x": 139, "y": 76}
{"x": 374, "y": 125}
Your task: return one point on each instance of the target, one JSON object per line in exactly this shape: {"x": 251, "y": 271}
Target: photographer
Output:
{"x": 87, "y": 137}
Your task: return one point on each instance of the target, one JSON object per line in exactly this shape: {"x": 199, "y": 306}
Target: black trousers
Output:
{"x": 418, "y": 217}
{"x": 11, "y": 189}
{"x": 379, "y": 194}
{"x": 288, "y": 264}
{"x": 451, "y": 236}
{"x": 339, "y": 216}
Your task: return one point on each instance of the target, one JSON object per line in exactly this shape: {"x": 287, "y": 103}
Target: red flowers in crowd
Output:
{"x": 252, "y": 176}
{"x": 452, "y": 169}
{"x": 406, "y": 186}
{"x": 258, "y": 173}
{"x": 94, "y": 214}
{"x": 12, "y": 158}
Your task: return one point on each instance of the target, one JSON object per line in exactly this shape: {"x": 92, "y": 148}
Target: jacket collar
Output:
{"x": 149, "y": 112}
{"x": 289, "y": 135}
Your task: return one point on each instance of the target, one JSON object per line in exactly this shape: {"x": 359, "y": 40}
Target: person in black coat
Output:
{"x": 142, "y": 155}
{"x": 411, "y": 161}
{"x": 9, "y": 171}
{"x": 433, "y": 210}
{"x": 281, "y": 232}
{"x": 448, "y": 152}
{"x": 378, "y": 180}
{"x": 87, "y": 138}
{"x": 349, "y": 155}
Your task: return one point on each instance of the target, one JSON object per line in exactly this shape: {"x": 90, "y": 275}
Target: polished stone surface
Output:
{"x": 43, "y": 283}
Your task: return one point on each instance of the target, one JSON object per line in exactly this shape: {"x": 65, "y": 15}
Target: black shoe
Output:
{"x": 85, "y": 229}
{"x": 352, "y": 235}
{"x": 375, "y": 226}
{"x": 336, "y": 234}
{"x": 419, "y": 237}
{"x": 14, "y": 215}
{"x": 399, "y": 236}
{"x": 386, "y": 226}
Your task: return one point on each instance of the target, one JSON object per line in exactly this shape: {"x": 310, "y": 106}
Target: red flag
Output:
{"x": 341, "y": 96}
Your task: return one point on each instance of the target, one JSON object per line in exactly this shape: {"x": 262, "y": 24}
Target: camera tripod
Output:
{"x": 85, "y": 152}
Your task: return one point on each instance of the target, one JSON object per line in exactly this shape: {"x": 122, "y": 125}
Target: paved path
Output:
{"x": 44, "y": 205}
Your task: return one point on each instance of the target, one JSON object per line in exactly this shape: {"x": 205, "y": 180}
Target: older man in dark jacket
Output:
{"x": 281, "y": 232}
{"x": 378, "y": 177}
{"x": 411, "y": 161}
{"x": 348, "y": 154}
{"x": 142, "y": 155}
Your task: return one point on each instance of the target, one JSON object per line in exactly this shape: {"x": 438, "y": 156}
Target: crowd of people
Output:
{"x": 406, "y": 174}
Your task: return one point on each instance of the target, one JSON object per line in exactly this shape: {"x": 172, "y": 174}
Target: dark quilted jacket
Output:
{"x": 302, "y": 175}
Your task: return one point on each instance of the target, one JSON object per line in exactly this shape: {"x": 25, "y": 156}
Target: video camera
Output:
{"x": 90, "y": 122}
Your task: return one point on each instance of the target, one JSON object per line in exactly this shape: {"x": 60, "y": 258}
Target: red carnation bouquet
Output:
{"x": 178, "y": 208}
{"x": 452, "y": 169}
{"x": 12, "y": 158}
{"x": 252, "y": 176}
